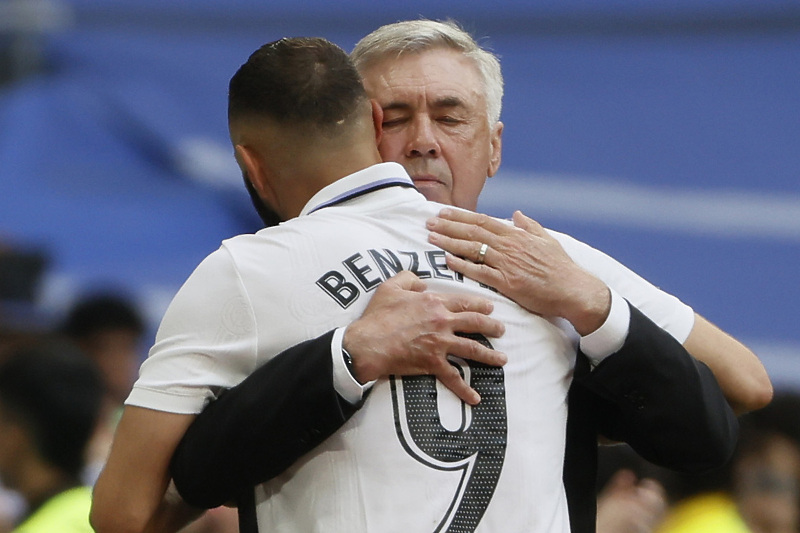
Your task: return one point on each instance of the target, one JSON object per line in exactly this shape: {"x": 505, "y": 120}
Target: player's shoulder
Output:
{"x": 275, "y": 233}
{"x": 567, "y": 241}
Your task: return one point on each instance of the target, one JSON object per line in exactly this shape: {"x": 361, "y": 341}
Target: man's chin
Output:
{"x": 433, "y": 191}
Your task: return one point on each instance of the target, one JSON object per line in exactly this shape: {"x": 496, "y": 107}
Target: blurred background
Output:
{"x": 666, "y": 134}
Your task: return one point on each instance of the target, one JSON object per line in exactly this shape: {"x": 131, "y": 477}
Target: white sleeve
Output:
{"x": 609, "y": 337}
{"x": 206, "y": 342}
{"x": 343, "y": 381}
{"x": 664, "y": 309}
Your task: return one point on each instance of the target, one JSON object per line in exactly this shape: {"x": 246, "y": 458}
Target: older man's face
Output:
{"x": 435, "y": 123}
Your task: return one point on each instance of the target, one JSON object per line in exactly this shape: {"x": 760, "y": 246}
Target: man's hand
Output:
{"x": 406, "y": 331}
{"x": 523, "y": 262}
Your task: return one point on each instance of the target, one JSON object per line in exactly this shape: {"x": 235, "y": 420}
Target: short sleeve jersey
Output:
{"x": 414, "y": 458}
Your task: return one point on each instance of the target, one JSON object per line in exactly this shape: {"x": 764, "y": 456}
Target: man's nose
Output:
{"x": 422, "y": 141}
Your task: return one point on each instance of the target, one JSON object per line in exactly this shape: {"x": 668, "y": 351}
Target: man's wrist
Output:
{"x": 611, "y": 335}
{"x": 589, "y": 305}
{"x": 344, "y": 378}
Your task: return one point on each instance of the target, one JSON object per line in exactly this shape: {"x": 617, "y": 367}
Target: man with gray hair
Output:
{"x": 441, "y": 94}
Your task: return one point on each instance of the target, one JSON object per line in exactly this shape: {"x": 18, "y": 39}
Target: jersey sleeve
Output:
{"x": 206, "y": 342}
{"x": 666, "y": 310}
{"x": 280, "y": 412}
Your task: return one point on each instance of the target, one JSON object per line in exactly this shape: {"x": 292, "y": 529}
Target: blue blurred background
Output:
{"x": 664, "y": 133}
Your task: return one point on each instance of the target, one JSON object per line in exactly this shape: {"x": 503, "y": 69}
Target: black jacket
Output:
{"x": 651, "y": 394}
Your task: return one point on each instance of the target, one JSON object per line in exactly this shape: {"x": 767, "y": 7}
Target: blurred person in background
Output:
{"x": 631, "y": 497}
{"x": 108, "y": 327}
{"x": 50, "y": 400}
{"x": 701, "y": 503}
{"x": 758, "y": 491}
{"x": 766, "y": 474}
{"x": 628, "y": 504}
{"x": 21, "y": 321}
{"x": 766, "y": 468}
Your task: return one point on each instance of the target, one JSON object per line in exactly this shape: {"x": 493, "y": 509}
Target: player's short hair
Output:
{"x": 54, "y": 390}
{"x": 415, "y": 36}
{"x": 300, "y": 81}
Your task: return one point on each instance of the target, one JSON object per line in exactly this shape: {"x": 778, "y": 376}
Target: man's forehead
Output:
{"x": 442, "y": 77}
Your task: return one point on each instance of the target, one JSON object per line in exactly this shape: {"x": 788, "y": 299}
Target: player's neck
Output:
{"x": 305, "y": 180}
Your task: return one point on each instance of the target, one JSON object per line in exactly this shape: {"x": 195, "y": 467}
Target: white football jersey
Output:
{"x": 414, "y": 458}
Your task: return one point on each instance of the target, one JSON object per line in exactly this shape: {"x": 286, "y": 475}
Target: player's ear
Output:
{"x": 252, "y": 164}
{"x": 377, "y": 120}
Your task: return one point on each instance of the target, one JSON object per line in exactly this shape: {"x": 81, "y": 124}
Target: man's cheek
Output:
{"x": 388, "y": 150}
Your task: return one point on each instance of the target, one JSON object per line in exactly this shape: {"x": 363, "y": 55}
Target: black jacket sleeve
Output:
{"x": 257, "y": 429}
{"x": 653, "y": 395}
{"x": 663, "y": 402}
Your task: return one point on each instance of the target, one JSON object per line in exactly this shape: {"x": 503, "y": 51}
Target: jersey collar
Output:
{"x": 359, "y": 183}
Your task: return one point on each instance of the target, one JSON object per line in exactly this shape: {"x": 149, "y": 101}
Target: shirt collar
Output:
{"x": 371, "y": 178}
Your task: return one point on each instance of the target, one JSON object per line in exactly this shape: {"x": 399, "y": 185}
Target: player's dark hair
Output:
{"x": 302, "y": 81}
{"x": 53, "y": 390}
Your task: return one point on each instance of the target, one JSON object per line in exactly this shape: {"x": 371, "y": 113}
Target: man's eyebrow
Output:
{"x": 396, "y": 105}
{"x": 448, "y": 101}
{"x": 443, "y": 102}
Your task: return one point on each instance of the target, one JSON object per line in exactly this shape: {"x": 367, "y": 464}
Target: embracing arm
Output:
{"x": 664, "y": 403}
{"x": 526, "y": 264}
{"x": 653, "y": 395}
{"x": 257, "y": 429}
